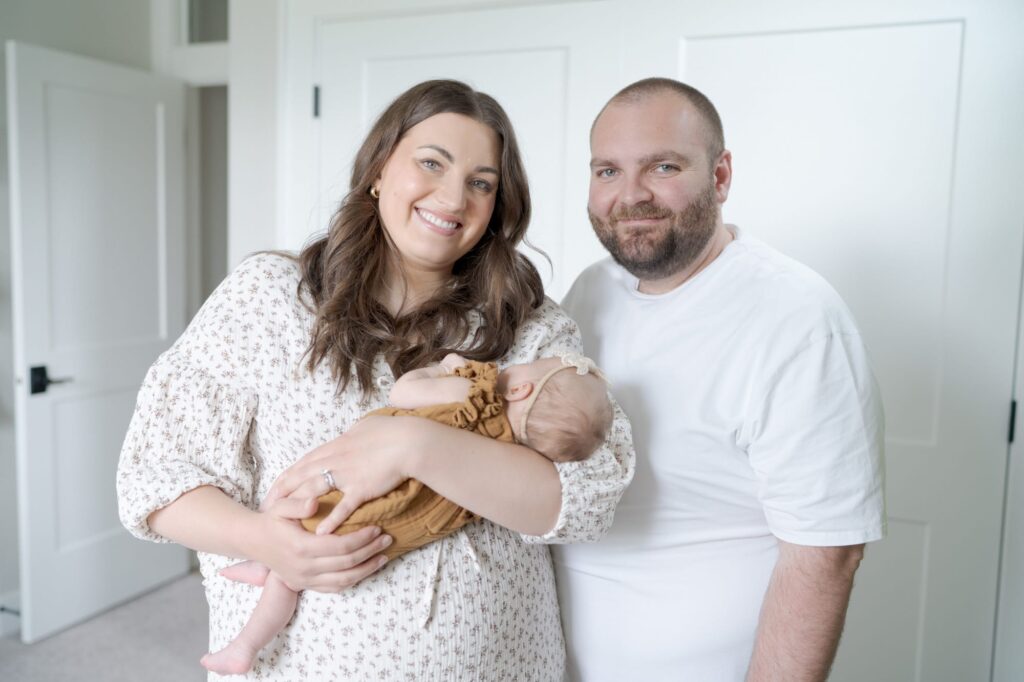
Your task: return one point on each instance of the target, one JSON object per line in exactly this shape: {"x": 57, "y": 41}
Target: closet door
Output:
{"x": 880, "y": 144}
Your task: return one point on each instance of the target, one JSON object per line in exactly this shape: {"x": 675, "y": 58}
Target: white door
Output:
{"x": 880, "y": 142}
{"x": 876, "y": 141}
{"x": 97, "y": 230}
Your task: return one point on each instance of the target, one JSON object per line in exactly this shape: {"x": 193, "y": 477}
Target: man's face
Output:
{"x": 653, "y": 199}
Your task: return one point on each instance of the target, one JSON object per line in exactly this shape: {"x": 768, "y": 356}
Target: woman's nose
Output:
{"x": 451, "y": 194}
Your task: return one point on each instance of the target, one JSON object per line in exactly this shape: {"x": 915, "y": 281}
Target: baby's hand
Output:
{"x": 452, "y": 361}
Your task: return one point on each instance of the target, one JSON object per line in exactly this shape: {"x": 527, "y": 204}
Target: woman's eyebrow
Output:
{"x": 451, "y": 159}
{"x": 440, "y": 150}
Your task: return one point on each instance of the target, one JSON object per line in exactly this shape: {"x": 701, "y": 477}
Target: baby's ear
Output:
{"x": 519, "y": 391}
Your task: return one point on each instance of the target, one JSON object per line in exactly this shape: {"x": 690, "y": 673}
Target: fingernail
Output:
{"x": 376, "y": 531}
{"x": 386, "y": 541}
{"x": 383, "y": 560}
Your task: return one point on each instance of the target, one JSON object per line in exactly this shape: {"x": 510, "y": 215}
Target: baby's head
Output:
{"x": 555, "y": 410}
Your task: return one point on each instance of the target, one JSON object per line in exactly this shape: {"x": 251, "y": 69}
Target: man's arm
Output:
{"x": 803, "y": 613}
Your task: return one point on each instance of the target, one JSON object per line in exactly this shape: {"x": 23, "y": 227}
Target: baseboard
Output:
{"x": 9, "y": 623}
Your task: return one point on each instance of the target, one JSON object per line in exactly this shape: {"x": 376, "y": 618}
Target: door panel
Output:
{"x": 96, "y": 155}
{"x": 857, "y": 130}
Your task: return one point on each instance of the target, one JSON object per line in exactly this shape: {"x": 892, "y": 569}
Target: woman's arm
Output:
{"x": 508, "y": 484}
{"x": 207, "y": 520}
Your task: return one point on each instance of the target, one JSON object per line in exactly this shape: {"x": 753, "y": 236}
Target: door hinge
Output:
{"x": 1013, "y": 417}
{"x": 316, "y": 101}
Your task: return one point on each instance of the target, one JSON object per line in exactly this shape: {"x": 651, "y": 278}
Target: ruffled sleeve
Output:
{"x": 194, "y": 411}
{"x": 483, "y": 409}
{"x": 591, "y": 488}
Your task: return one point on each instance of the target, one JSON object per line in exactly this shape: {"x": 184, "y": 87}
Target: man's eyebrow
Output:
{"x": 451, "y": 159}
{"x": 647, "y": 160}
{"x": 667, "y": 155}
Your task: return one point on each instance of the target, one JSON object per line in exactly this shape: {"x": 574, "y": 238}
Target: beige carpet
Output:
{"x": 159, "y": 637}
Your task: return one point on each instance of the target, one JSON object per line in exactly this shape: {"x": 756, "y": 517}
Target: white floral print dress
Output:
{"x": 232, "y": 405}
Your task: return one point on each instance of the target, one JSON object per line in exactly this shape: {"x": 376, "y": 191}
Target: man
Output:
{"x": 755, "y": 417}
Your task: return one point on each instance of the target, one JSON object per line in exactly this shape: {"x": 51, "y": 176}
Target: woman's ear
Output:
{"x": 519, "y": 391}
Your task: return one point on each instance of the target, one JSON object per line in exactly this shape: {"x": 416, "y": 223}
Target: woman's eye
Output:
{"x": 482, "y": 185}
{"x": 430, "y": 164}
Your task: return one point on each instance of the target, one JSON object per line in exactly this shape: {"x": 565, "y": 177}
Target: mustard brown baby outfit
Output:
{"x": 413, "y": 514}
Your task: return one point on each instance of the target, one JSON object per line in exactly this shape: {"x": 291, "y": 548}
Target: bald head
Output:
{"x": 642, "y": 90}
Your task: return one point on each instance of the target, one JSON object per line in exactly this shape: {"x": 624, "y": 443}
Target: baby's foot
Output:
{"x": 231, "y": 660}
{"x": 251, "y": 572}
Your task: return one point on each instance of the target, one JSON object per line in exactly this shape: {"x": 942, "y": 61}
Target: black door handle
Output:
{"x": 39, "y": 380}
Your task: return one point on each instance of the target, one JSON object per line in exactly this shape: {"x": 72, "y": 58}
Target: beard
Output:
{"x": 658, "y": 252}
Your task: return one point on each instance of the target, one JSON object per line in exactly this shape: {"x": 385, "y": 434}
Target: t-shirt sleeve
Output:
{"x": 194, "y": 410}
{"x": 591, "y": 488}
{"x": 816, "y": 445}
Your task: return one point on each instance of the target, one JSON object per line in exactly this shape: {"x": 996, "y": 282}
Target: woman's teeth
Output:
{"x": 434, "y": 220}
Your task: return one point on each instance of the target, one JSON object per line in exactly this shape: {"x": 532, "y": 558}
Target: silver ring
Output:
{"x": 329, "y": 479}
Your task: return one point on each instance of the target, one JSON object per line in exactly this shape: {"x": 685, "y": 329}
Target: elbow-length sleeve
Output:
{"x": 591, "y": 488}
{"x": 192, "y": 417}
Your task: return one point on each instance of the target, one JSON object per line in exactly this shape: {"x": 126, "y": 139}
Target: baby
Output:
{"x": 557, "y": 406}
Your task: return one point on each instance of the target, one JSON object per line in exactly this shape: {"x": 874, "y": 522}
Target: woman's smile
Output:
{"x": 440, "y": 223}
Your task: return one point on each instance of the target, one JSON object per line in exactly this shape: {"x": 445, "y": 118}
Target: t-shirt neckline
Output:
{"x": 727, "y": 254}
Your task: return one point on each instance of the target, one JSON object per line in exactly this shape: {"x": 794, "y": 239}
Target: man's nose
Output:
{"x": 636, "y": 190}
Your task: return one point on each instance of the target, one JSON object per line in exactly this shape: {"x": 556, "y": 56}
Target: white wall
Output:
{"x": 112, "y": 30}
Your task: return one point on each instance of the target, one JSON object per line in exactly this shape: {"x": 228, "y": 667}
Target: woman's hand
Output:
{"x": 306, "y": 561}
{"x": 367, "y": 461}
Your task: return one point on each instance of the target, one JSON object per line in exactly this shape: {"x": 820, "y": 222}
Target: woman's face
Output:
{"x": 437, "y": 191}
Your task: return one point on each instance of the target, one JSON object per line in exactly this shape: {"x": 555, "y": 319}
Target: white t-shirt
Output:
{"x": 755, "y": 416}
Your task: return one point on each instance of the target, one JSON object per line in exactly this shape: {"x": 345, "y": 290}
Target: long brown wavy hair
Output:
{"x": 344, "y": 271}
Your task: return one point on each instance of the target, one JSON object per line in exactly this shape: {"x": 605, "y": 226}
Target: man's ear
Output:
{"x": 519, "y": 391}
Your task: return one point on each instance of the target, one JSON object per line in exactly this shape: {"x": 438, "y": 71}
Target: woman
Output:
{"x": 286, "y": 356}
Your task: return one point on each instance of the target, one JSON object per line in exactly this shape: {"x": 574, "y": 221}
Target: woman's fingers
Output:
{"x": 335, "y": 546}
{"x": 341, "y": 580}
{"x": 344, "y": 562}
{"x": 297, "y": 508}
{"x": 348, "y": 504}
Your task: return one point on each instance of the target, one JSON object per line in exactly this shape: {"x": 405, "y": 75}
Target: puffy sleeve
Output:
{"x": 591, "y": 488}
{"x": 192, "y": 417}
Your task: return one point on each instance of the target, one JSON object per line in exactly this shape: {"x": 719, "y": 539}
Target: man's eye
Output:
{"x": 606, "y": 173}
{"x": 665, "y": 168}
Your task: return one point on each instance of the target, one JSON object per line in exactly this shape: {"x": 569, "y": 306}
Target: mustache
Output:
{"x": 645, "y": 211}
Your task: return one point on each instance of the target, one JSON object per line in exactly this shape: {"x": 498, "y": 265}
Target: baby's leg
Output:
{"x": 251, "y": 572}
{"x": 272, "y": 613}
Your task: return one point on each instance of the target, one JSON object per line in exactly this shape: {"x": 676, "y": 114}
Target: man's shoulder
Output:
{"x": 787, "y": 290}
{"x": 594, "y": 283}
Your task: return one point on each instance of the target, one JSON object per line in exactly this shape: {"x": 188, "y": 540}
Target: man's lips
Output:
{"x": 646, "y": 221}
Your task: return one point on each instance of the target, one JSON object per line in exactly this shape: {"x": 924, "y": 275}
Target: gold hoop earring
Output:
{"x": 374, "y": 192}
